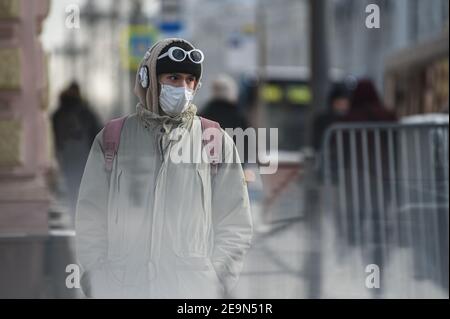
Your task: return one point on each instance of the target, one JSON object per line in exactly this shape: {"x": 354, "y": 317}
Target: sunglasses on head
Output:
{"x": 177, "y": 54}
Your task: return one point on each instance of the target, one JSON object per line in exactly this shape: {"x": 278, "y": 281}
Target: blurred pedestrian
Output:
{"x": 367, "y": 106}
{"x": 337, "y": 108}
{"x": 223, "y": 108}
{"x": 75, "y": 127}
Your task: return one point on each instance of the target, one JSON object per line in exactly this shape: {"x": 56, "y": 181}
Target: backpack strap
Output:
{"x": 111, "y": 140}
{"x": 217, "y": 142}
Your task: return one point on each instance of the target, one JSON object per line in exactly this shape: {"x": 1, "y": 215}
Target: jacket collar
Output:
{"x": 152, "y": 119}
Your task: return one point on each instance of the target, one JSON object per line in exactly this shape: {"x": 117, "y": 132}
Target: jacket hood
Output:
{"x": 148, "y": 105}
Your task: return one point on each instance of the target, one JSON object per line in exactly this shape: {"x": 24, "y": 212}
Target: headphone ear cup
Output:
{"x": 199, "y": 85}
{"x": 143, "y": 77}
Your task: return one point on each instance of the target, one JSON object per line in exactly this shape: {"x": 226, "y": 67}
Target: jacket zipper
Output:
{"x": 118, "y": 190}
{"x": 161, "y": 148}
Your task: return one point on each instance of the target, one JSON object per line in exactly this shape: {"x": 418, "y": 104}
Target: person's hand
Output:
{"x": 249, "y": 176}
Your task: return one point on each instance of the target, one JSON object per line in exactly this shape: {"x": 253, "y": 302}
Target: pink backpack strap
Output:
{"x": 111, "y": 140}
{"x": 213, "y": 158}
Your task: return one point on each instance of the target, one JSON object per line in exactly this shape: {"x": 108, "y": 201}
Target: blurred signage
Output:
{"x": 170, "y": 7}
{"x": 241, "y": 54}
{"x": 171, "y": 26}
{"x": 272, "y": 93}
{"x": 172, "y": 29}
{"x": 298, "y": 94}
{"x": 295, "y": 94}
{"x": 171, "y": 18}
{"x": 136, "y": 40}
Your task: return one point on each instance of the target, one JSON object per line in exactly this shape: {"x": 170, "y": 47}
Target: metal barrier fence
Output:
{"x": 387, "y": 200}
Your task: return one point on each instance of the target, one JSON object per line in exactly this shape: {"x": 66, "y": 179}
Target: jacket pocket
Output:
{"x": 197, "y": 278}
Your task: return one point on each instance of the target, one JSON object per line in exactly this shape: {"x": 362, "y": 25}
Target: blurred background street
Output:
{"x": 358, "y": 91}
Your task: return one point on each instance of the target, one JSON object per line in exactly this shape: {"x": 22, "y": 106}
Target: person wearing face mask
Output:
{"x": 146, "y": 225}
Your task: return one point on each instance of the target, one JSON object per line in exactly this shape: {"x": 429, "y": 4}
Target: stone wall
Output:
{"x": 24, "y": 155}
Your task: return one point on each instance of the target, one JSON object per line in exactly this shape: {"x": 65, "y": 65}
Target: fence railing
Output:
{"x": 387, "y": 198}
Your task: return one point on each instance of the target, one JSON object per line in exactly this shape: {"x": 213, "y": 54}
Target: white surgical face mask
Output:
{"x": 174, "y": 100}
